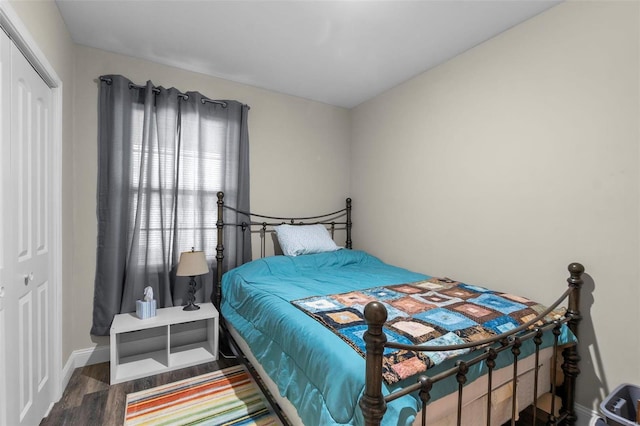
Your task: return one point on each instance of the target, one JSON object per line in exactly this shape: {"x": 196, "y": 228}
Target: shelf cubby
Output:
{"x": 172, "y": 339}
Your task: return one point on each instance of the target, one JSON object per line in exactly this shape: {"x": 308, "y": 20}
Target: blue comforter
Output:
{"x": 321, "y": 375}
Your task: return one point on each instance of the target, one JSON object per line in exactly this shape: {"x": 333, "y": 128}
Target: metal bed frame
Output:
{"x": 373, "y": 402}
{"x": 340, "y": 219}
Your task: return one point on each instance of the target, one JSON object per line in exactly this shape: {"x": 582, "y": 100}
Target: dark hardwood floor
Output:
{"x": 89, "y": 400}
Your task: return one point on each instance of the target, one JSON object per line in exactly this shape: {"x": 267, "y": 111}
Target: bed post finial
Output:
{"x": 219, "y": 251}
{"x": 349, "y": 243}
{"x": 372, "y": 403}
{"x": 570, "y": 355}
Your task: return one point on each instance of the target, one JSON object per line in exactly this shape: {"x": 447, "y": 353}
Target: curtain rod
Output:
{"x": 184, "y": 96}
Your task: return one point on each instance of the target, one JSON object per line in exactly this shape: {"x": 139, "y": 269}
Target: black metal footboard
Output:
{"x": 373, "y": 403}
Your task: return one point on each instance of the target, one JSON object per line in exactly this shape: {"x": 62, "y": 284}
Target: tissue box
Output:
{"x": 145, "y": 309}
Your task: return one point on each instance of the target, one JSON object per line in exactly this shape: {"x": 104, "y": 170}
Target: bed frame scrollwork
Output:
{"x": 263, "y": 225}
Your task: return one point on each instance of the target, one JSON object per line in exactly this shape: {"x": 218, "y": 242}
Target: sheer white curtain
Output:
{"x": 163, "y": 156}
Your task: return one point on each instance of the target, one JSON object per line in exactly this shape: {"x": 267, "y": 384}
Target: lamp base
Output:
{"x": 191, "y": 307}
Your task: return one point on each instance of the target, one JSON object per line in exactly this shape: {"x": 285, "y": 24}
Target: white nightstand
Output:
{"x": 173, "y": 339}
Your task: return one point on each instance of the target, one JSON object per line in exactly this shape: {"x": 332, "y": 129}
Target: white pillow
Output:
{"x": 295, "y": 240}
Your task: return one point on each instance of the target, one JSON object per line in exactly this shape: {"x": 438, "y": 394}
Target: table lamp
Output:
{"x": 192, "y": 263}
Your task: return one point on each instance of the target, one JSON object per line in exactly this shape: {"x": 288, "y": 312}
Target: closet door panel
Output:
{"x": 21, "y": 156}
{"x": 42, "y": 209}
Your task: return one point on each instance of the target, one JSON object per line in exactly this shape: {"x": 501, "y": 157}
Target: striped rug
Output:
{"x": 224, "y": 397}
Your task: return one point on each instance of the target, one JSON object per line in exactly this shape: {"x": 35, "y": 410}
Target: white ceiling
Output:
{"x": 337, "y": 52}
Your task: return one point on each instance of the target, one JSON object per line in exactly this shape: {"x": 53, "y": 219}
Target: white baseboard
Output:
{"x": 80, "y": 358}
{"x": 586, "y": 416}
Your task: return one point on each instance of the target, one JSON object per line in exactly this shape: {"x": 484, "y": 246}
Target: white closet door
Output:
{"x": 5, "y": 167}
{"x": 28, "y": 296}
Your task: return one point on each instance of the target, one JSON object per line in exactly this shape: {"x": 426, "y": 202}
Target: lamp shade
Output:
{"x": 192, "y": 263}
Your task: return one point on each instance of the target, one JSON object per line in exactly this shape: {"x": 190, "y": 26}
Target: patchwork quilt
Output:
{"x": 437, "y": 311}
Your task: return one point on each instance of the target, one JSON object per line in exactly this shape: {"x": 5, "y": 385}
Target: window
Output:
{"x": 189, "y": 217}
{"x": 162, "y": 157}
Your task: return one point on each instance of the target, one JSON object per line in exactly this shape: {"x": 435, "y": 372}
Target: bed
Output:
{"x": 368, "y": 373}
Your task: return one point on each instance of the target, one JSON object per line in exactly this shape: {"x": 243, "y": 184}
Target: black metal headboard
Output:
{"x": 263, "y": 225}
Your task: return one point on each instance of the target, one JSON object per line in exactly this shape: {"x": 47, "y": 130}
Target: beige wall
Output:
{"x": 298, "y": 148}
{"x": 510, "y": 161}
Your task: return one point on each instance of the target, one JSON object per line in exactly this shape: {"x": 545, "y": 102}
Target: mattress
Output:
{"x": 312, "y": 368}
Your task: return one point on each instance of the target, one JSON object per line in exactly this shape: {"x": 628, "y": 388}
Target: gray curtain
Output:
{"x": 162, "y": 157}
